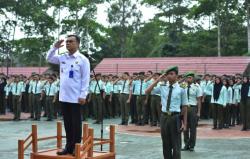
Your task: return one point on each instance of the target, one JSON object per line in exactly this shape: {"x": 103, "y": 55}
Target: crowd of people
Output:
{"x": 224, "y": 98}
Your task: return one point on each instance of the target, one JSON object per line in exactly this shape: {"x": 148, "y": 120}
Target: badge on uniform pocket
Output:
{"x": 71, "y": 74}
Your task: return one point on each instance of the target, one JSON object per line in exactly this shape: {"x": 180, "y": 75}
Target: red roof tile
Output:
{"x": 213, "y": 65}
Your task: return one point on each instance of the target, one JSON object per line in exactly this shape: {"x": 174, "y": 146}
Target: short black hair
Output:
{"x": 76, "y": 36}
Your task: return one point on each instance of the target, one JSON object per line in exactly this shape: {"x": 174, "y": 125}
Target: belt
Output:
{"x": 124, "y": 93}
{"x": 192, "y": 106}
{"x": 170, "y": 113}
{"x": 37, "y": 94}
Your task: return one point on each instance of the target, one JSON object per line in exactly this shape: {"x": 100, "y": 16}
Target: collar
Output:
{"x": 74, "y": 55}
{"x": 175, "y": 84}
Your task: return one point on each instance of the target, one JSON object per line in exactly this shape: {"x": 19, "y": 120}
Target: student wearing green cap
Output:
{"x": 174, "y": 113}
{"x": 194, "y": 94}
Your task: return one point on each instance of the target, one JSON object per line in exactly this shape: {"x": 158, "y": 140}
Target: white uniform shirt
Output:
{"x": 71, "y": 89}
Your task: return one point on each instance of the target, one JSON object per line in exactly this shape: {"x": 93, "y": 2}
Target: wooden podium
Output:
{"x": 85, "y": 150}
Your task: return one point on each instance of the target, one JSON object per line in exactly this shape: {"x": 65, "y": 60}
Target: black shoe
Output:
{"x": 63, "y": 152}
{"x": 191, "y": 149}
{"x": 49, "y": 120}
{"x": 243, "y": 129}
{"x": 126, "y": 123}
{"x": 186, "y": 148}
{"x": 122, "y": 123}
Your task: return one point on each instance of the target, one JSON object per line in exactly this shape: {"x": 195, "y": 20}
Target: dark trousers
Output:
{"x": 133, "y": 111}
{"x": 171, "y": 137}
{"x": 233, "y": 111}
{"x": 108, "y": 107}
{"x": 227, "y": 115}
{"x": 16, "y": 106}
{"x": 155, "y": 109}
{"x": 206, "y": 109}
{"x": 116, "y": 103}
{"x": 140, "y": 105}
{"x": 245, "y": 113}
{"x": 218, "y": 120}
{"x": 98, "y": 107}
{"x": 26, "y": 102}
{"x": 124, "y": 107}
{"x": 50, "y": 107}
{"x": 31, "y": 104}
{"x": 2, "y": 104}
{"x": 72, "y": 124}
{"x": 37, "y": 106}
{"x": 190, "y": 133}
{"x": 9, "y": 102}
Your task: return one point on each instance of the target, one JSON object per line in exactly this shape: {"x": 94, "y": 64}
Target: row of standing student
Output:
{"x": 32, "y": 95}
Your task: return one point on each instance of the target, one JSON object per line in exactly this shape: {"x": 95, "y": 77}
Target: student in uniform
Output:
{"x": 219, "y": 100}
{"x": 116, "y": 96}
{"x": 107, "y": 96}
{"x": 37, "y": 99}
{"x": 229, "y": 102}
{"x": 141, "y": 102}
{"x": 17, "y": 89}
{"x": 97, "y": 98}
{"x": 155, "y": 104}
{"x": 133, "y": 111}
{"x": 194, "y": 95}
{"x": 237, "y": 99}
{"x": 245, "y": 104}
{"x": 125, "y": 97}
{"x": 174, "y": 113}
{"x": 206, "y": 86}
{"x": 50, "y": 91}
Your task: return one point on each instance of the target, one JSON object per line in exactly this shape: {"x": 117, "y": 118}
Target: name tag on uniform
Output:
{"x": 71, "y": 74}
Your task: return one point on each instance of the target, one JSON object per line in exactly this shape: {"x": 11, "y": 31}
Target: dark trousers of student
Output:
{"x": 218, "y": 120}
{"x": 245, "y": 113}
{"x": 108, "y": 107}
{"x": 133, "y": 111}
{"x": 227, "y": 115}
{"x": 116, "y": 103}
{"x": 16, "y": 106}
{"x": 206, "y": 108}
{"x": 37, "y": 106}
{"x": 98, "y": 107}
{"x": 141, "y": 106}
{"x": 73, "y": 125}
{"x": 31, "y": 105}
{"x": 190, "y": 133}
{"x": 50, "y": 107}
{"x": 124, "y": 107}
{"x": 171, "y": 136}
{"x": 2, "y": 103}
{"x": 147, "y": 111}
{"x": 26, "y": 102}
{"x": 233, "y": 111}
{"x": 155, "y": 105}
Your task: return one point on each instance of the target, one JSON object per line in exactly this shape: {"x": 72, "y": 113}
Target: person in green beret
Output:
{"x": 174, "y": 112}
{"x": 194, "y": 94}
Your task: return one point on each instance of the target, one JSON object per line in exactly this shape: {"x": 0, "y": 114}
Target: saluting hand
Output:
{"x": 58, "y": 44}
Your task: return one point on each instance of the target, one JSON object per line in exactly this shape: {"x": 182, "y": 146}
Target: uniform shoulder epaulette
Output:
{"x": 183, "y": 85}
{"x": 61, "y": 53}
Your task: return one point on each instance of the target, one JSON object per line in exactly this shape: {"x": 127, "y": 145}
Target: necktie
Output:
{"x": 133, "y": 88}
{"x": 141, "y": 88}
{"x": 95, "y": 87}
{"x": 49, "y": 89}
{"x": 36, "y": 87}
{"x": 169, "y": 97}
{"x": 16, "y": 88}
{"x": 124, "y": 86}
{"x": 188, "y": 91}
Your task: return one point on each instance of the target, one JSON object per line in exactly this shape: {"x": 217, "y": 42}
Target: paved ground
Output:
{"x": 133, "y": 145}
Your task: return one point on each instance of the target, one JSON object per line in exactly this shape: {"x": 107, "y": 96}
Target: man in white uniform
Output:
{"x": 74, "y": 83}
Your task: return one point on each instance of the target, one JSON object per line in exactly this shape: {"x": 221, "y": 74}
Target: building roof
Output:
{"x": 201, "y": 65}
{"x": 23, "y": 70}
